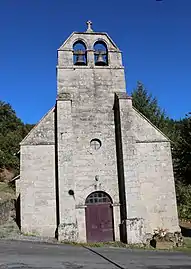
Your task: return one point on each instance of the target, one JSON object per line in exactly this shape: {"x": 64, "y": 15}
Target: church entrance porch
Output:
{"x": 99, "y": 218}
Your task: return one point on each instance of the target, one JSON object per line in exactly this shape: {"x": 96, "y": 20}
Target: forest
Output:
{"x": 13, "y": 130}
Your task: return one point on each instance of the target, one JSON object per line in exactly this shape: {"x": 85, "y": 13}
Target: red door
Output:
{"x": 99, "y": 222}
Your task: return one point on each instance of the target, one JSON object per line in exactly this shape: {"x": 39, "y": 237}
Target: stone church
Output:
{"x": 94, "y": 168}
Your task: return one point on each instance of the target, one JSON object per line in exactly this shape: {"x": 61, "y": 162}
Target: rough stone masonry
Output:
{"x": 94, "y": 168}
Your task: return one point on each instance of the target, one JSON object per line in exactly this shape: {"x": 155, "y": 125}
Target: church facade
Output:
{"x": 95, "y": 169}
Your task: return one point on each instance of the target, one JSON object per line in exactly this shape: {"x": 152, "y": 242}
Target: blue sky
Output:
{"x": 155, "y": 38}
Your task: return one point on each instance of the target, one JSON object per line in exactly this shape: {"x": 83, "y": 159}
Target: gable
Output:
{"x": 145, "y": 131}
{"x": 89, "y": 39}
{"x": 43, "y": 132}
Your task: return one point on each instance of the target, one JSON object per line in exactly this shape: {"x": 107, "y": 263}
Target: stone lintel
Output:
{"x": 84, "y": 206}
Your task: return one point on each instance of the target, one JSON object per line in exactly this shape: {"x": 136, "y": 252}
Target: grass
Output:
{"x": 186, "y": 247}
{"x": 115, "y": 244}
{"x": 30, "y": 234}
{"x": 9, "y": 229}
{"x": 187, "y": 242}
{"x": 6, "y": 192}
{"x": 97, "y": 244}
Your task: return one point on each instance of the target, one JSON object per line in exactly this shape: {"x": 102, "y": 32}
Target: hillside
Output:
{"x": 12, "y": 131}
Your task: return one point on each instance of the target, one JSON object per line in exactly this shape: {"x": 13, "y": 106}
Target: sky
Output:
{"x": 154, "y": 36}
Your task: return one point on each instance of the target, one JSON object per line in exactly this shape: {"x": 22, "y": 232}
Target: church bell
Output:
{"x": 100, "y": 59}
{"x": 80, "y": 58}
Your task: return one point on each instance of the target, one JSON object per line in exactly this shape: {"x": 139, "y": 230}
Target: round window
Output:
{"x": 95, "y": 144}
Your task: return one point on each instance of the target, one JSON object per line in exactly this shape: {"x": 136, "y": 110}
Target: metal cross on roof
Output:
{"x": 89, "y": 24}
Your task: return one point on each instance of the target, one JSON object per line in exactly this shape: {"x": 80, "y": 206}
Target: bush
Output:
{"x": 183, "y": 193}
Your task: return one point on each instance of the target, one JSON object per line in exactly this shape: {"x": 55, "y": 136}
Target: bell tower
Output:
{"x": 89, "y": 73}
{"x": 94, "y": 57}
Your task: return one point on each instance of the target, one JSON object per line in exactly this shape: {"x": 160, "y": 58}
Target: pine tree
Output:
{"x": 148, "y": 105}
{"x": 182, "y": 152}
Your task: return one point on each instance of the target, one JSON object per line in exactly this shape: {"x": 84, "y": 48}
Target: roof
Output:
{"x": 88, "y": 33}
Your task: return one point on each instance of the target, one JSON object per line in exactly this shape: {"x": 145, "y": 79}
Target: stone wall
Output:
{"x": 149, "y": 181}
{"x": 43, "y": 132}
{"x": 37, "y": 179}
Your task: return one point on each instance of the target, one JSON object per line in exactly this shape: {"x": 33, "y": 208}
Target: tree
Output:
{"x": 148, "y": 105}
{"x": 183, "y": 195}
{"x": 182, "y": 152}
{"x": 12, "y": 131}
{"x": 8, "y": 119}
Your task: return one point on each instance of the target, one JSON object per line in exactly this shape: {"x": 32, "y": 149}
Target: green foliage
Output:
{"x": 182, "y": 152}
{"x": 8, "y": 119}
{"x": 148, "y": 105}
{"x": 183, "y": 194}
{"x": 12, "y": 131}
{"x": 182, "y": 168}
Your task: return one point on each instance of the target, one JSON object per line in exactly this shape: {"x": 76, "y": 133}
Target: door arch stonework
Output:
{"x": 99, "y": 217}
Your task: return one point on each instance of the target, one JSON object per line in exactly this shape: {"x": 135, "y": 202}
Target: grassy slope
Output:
{"x": 10, "y": 228}
{"x": 6, "y": 192}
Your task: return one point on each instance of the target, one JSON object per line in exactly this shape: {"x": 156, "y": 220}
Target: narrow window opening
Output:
{"x": 79, "y": 53}
{"x": 100, "y": 54}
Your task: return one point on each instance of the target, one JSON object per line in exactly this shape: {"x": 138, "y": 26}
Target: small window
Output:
{"x": 79, "y": 53}
{"x": 100, "y": 54}
{"x": 95, "y": 144}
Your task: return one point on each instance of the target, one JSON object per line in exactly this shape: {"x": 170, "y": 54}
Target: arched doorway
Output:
{"x": 99, "y": 217}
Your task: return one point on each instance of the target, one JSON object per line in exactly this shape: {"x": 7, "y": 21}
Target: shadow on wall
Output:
{"x": 18, "y": 212}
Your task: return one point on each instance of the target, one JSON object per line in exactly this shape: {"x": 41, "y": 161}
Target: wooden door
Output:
{"x": 99, "y": 222}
